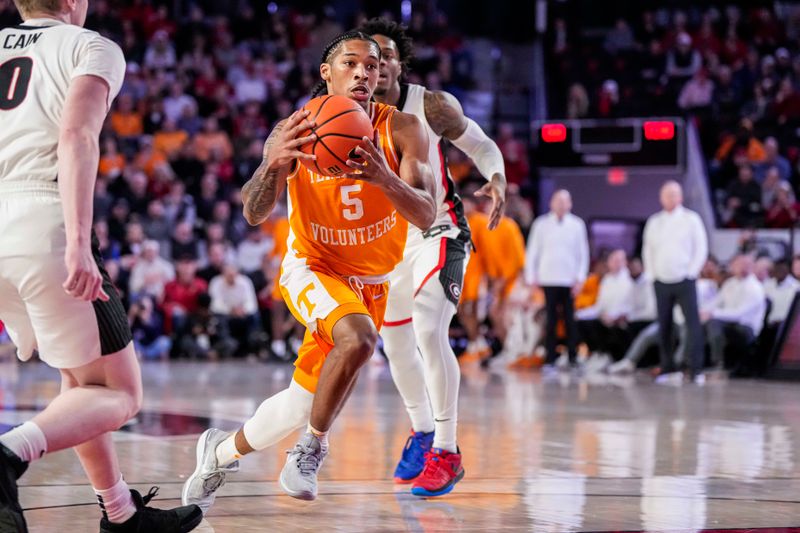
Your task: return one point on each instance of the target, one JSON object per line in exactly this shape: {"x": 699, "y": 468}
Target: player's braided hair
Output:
{"x": 395, "y": 32}
{"x": 333, "y": 47}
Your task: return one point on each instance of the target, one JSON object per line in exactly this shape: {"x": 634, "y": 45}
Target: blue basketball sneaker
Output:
{"x": 413, "y": 460}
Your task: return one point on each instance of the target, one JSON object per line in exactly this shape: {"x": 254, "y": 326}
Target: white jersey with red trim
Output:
{"x": 450, "y": 211}
{"x": 38, "y": 61}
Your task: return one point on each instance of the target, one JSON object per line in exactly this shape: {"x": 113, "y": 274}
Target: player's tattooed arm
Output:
{"x": 446, "y": 118}
{"x": 281, "y": 149}
{"x": 444, "y": 114}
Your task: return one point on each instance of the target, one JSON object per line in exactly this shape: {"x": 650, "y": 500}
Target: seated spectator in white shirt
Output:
{"x": 251, "y": 251}
{"x": 151, "y": 272}
{"x": 234, "y": 303}
{"x": 643, "y": 298}
{"x": 736, "y": 316}
{"x": 780, "y": 289}
{"x": 603, "y": 325}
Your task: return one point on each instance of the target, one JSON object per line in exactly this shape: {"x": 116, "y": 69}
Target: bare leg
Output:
{"x": 354, "y": 339}
{"x": 95, "y": 399}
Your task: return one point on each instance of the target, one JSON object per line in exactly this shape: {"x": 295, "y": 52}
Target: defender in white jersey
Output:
{"x": 57, "y": 81}
{"x": 426, "y": 286}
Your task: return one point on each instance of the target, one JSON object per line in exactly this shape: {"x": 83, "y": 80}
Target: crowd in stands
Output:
{"x": 734, "y": 69}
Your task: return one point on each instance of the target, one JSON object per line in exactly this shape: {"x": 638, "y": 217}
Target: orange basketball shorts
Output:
{"x": 319, "y": 300}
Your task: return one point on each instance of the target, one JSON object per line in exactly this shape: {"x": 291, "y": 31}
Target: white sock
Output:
{"x": 408, "y": 374}
{"x": 116, "y": 502}
{"x": 26, "y": 441}
{"x": 278, "y": 416}
{"x": 321, "y": 435}
{"x": 227, "y": 452}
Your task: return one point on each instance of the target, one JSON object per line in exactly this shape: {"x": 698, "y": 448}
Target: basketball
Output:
{"x": 340, "y": 126}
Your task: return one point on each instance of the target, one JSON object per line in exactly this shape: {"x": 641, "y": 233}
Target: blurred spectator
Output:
{"x": 515, "y": 154}
{"x": 234, "y": 302}
{"x": 179, "y": 206}
{"x": 217, "y": 257}
{"x": 183, "y": 242}
{"x": 603, "y": 326}
{"x": 784, "y": 211}
{"x": 151, "y": 272}
{"x": 252, "y": 250}
{"x": 103, "y": 201}
{"x": 697, "y": 94}
{"x": 160, "y": 53}
{"x": 773, "y": 159}
{"x": 577, "y": 102}
{"x": 176, "y": 102}
{"x": 251, "y": 87}
{"x": 683, "y": 61}
{"x": 781, "y": 289}
{"x": 169, "y": 140}
{"x": 737, "y": 315}
{"x": 769, "y": 187}
{"x": 148, "y": 331}
{"x": 620, "y": 38}
{"x": 112, "y": 163}
{"x": 643, "y": 298}
{"x": 157, "y": 227}
{"x": 137, "y": 196}
{"x": 205, "y": 337}
{"x": 109, "y": 249}
{"x": 608, "y": 99}
{"x": 743, "y": 201}
{"x": 762, "y": 268}
{"x": 211, "y": 137}
{"x": 182, "y": 293}
{"x": 148, "y": 158}
{"x": 126, "y": 122}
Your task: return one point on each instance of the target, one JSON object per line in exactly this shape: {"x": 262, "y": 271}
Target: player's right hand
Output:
{"x": 282, "y": 147}
{"x": 84, "y": 281}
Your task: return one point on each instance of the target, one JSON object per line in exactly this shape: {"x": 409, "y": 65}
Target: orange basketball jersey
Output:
{"x": 505, "y": 254}
{"x": 343, "y": 225}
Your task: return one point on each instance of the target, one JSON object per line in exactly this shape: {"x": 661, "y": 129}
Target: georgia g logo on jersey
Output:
{"x": 455, "y": 290}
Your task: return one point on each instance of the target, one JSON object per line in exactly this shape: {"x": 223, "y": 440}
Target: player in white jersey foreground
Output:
{"x": 57, "y": 82}
{"x": 426, "y": 285}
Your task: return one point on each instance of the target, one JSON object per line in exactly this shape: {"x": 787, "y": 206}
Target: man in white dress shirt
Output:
{"x": 674, "y": 250}
{"x": 737, "y": 315}
{"x": 557, "y": 260}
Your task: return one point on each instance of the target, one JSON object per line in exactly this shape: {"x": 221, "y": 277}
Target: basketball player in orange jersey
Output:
{"x": 475, "y": 279}
{"x": 505, "y": 261}
{"x": 426, "y": 286}
{"x": 337, "y": 286}
{"x": 57, "y": 82}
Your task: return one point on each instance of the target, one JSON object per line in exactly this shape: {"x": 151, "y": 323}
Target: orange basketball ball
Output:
{"x": 340, "y": 126}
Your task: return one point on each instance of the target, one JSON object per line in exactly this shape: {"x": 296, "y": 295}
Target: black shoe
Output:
{"x": 152, "y": 520}
{"x": 11, "y": 468}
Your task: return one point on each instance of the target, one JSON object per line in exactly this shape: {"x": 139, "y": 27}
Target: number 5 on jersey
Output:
{"x": 355, "y": 208}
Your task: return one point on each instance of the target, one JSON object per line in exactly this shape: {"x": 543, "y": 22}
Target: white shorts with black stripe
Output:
{"x": 38, "y": 314}
{"x": 440, "y": 258}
